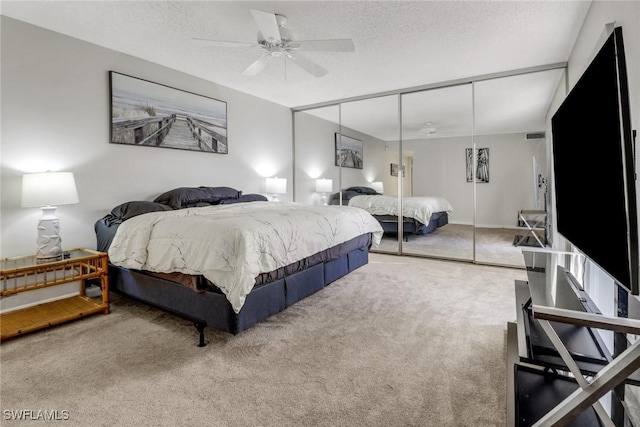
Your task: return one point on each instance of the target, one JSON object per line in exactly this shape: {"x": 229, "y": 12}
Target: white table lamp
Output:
{"x": 276, "y": 186}
{"x": 46, "y": 190}
{"x": 378, "y": 186}
{"x": 324, "y": 186}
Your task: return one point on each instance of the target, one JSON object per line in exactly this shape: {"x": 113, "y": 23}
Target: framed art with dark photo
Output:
{"x": 394, "y": 170}
{"x": 482, "y": 165}
{"x": 151, "y": 114}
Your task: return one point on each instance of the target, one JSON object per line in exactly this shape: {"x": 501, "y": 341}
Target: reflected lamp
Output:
{"x": 378, "y": 186}
{"x": 324, "y": 186}
{"x": 47, "y": 190}
{"x": 276, "y": 186}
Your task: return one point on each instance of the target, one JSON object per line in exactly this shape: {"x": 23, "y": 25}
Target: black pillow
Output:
{"x": 362, "y": 190}
{"x": 189, "y": 197}
{"x": 130, "y": 209}
{"x": 224, "y": 192}
{"x": 346, "y": 196}
{"x": 245, "y": 198}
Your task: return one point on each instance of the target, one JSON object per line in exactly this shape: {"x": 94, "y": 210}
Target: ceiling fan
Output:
{"x": 278, "y": 42}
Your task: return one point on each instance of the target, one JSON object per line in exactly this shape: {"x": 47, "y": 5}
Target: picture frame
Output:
{"x": 151, "y": 114}
{"x": 482, "y": 165}
{"x": 349, "y": 152}
{"x": 394, "y": 170}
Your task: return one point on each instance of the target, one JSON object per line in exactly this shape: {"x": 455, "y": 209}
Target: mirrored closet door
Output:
{"x": 511, "y": 164}
{"x": 473, "y": 156}
{"x": 436, "y": 135}
{"x": 372, "y": 126}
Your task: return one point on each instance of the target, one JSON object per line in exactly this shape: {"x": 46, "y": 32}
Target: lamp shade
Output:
{"x": 324, "y": 185}
{"x": 276, "y": 185}
{"x": 48, "y": 188}
{"x": 378, "y": 186}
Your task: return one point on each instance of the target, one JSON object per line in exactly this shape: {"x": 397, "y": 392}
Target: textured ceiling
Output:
{"x": 398, "y": 44}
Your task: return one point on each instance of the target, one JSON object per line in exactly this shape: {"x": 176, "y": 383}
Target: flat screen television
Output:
{"x": 593, "y": 159}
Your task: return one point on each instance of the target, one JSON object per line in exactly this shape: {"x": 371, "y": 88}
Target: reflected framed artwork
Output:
{"x": 482, "y": 165}
{"x": 395, "y": 168}
{"x": 349, "y": 152}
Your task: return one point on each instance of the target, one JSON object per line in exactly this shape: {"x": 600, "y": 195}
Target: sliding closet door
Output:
{"x": 436, "y": 134}
{"x": 368, "y": 146}
{"x": 510, "y": 164}
{"x": 316, "y": 176}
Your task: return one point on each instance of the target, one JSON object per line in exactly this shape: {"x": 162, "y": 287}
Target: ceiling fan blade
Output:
{"x": 223, "y": 43}
{"x": 306, "y": 64}
{"x": 268, "y": 25}
{"x": 338, "y": 45}
{"x": 257, "y": 66}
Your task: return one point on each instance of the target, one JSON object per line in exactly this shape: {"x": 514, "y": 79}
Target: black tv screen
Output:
{"x": 593, "y": 159}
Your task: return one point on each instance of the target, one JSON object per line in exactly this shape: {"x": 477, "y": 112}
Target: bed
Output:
{"x": 228, "y": 260}
{"x": 421, "y": 215}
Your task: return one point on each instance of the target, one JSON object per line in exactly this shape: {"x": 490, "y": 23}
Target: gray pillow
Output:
{"x": 130, "y": 209}
{"x": 362, "y": 190}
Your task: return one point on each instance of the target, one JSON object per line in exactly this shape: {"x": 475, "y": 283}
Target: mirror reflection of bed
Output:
{"x": 435, "y": 237}
{"x": 420, "y": 215}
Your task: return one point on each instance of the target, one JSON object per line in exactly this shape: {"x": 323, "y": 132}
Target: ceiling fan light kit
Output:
{"x": 278, "y": 43}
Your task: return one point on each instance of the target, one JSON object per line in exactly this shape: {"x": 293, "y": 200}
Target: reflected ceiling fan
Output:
{"x": 278, "y": 42}
{"x": 421, "y": 129}
{"x": 428, "y": 129}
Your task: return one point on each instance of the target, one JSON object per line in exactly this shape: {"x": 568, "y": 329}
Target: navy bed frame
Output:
{"x": 411, "y": 226}
{"x": 211, "y": 307}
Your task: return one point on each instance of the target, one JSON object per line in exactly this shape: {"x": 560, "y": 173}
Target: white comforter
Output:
{"x": 419, "y": 208}
{"x": 231, "y": 244}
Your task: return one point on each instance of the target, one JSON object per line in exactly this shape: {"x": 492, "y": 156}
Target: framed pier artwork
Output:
{"x": 151, "y": 114}
{"x": 348, "y": 152}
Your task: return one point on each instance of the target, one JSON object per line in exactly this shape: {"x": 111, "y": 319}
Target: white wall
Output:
{"x": 55, "y": 116}
{"x": 590, "y": 39}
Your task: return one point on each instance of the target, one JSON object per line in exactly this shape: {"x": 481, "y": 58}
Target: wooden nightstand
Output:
{"x": 28, "y": 273}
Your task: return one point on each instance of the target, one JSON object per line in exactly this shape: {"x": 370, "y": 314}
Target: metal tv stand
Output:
{"x": 558, "y": 367}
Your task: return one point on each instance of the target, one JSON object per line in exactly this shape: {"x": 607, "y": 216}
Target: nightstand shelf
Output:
{"x": 24, "y": 274}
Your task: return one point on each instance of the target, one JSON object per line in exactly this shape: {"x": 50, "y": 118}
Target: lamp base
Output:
{"x": 49, "y": 243}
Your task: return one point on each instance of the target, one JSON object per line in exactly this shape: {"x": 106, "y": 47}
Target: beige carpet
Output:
{"x": 455, "y": 241}
{"x": 398, "y": 342}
